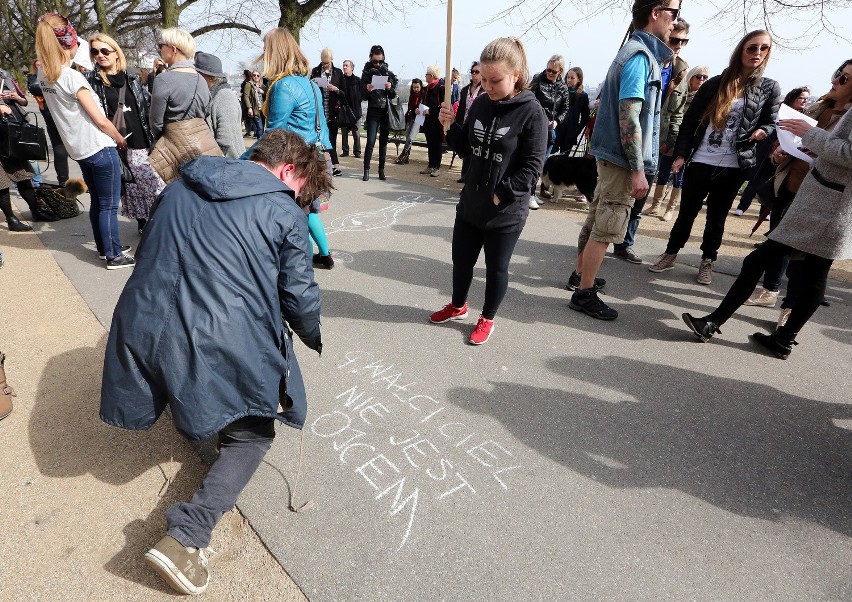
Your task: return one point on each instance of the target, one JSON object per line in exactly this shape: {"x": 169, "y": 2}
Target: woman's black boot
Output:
{"x": 16, "y": 225}
{"x": 366, "y": 175}
{"x": 382, "y": 174}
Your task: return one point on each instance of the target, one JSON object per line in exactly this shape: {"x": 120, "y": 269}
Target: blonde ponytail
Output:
{"x": 48, "y": 50}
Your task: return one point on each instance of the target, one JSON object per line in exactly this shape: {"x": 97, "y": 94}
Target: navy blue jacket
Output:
{"x": 200, "y": 324}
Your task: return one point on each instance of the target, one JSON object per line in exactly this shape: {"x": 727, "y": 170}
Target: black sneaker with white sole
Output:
{"x": 124, "y": 250}
{"x": 588, "y": 302}
{"x": 703, "y": 328}
{"x": 122, "y": 261}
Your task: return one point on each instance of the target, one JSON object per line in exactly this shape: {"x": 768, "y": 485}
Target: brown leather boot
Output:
{"x": 6, "y": 392}
{"x": 654, "y": 209}
{"x": 674, "y": 202}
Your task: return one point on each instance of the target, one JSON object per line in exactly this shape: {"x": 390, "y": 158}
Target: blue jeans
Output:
{"x": 635, "y": 218}
{"x": 242, "y": 446}
{"x": 102, "y": 174}
{"x": 257, "y": 125}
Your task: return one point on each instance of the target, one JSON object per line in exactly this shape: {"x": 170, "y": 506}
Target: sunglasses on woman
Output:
{"x": 474, "y": 71}
{"x": 104, "y": 51}
{"x": 841, "y": 77}
{"x": 678, "y": 41}
{"x": 701, "y": 76}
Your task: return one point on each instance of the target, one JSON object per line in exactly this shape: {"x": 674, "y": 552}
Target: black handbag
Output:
{"x": 22, "y": 141}
{"x": 119, "y": 123}
{"x": 345, "y": 115}
{"x": 396, "y": 115}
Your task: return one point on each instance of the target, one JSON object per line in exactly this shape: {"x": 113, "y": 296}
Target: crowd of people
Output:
{"x": 655, "y": 120}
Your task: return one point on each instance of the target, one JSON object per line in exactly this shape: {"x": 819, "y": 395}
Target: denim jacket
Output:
{"x": 606, "y": 138}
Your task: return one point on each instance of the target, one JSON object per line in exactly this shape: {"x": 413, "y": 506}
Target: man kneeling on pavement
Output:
{"x": 204, "y": 325}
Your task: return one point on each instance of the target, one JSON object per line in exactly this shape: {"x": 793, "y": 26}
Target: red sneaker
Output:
{"x": 482, "y": 332}
{"x": 450, "y": 312}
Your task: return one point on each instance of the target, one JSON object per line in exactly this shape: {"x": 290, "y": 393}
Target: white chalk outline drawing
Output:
{"x": 342, "y": 256}
{"x": 364, "y": 221}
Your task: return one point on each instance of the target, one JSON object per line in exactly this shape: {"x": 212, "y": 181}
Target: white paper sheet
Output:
{"x": 788, "y": 140}
{"x": 420, "y": 118}
{"x": 379, "y": 81}
{"x": 321, "y": 82}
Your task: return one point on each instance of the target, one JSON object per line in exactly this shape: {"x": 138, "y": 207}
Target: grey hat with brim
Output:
{"x": 208, "y": 64}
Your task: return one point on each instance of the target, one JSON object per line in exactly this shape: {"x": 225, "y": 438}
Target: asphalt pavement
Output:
{"x": 565, "y": 459}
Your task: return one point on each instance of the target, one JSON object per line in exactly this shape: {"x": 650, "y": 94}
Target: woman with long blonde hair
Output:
{"x": 293, "y": 102}
{"x": 111, "y": 81}
{"x": 730, "y": 114}
{"x": 91, "y": 139}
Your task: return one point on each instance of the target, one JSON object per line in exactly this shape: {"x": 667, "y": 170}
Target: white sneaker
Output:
{"x": 534, "y": 203}
{"x": 739, "y": 212}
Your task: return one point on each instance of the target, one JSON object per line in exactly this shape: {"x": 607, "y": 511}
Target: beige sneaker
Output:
{"x": 184, "y": 569}
{"x": 782, "y": 319}
{"x": 705, "y": 272}
{"x": 426, "y": 172}
{"x": 762, "y": 298}
{"x": 665, "y": 263}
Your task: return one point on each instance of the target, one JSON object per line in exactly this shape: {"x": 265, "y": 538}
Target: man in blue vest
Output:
{"x": 625, "y": 143}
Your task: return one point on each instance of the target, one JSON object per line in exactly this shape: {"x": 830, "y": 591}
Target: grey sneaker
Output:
{"x": 426, "y": 172}
{"x": 705, "y": 272}
{"x": 627, "y": 254}
{"x": 665, "y": 263}
{"x": 184, "y": 569}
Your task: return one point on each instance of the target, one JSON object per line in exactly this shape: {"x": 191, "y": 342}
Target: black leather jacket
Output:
{"x": 762, "y": 99}
{"x": 552, "y": 96}
{"x": 134, "y": 88}
{"x": 377, "y": 100}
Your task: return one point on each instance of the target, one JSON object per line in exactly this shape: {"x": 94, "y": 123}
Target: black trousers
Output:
{"x": 434, "y": 133}
{"x": 374, "y": 127}
{"x": 332, "y": 135}
{"x": 719, "y": 185}
{"x": 468, "y": 241}
{"x": 814, "y": 277}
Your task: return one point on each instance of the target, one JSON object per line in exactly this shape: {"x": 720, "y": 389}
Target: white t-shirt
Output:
{"x": 718, "y": 147}
{"x": 82, "y": 138}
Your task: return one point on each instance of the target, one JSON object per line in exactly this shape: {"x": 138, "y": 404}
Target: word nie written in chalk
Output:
{"x": 431, "y": 460}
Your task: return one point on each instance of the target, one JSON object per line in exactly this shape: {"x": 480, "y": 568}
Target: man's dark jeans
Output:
{"x": 242, "y": 446}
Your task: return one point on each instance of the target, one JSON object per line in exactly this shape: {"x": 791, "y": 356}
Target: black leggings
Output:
{"x": 811, "y": 291}
{"x": 468, "y": 241}
{"x": 719, "y": 185}
{"x": 376, "y": 125}
{"x": 332, "y": 135}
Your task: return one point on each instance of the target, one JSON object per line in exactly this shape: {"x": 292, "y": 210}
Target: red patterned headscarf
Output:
{"x": 67, "y": 35}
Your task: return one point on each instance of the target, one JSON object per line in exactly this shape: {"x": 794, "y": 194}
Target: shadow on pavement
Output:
{"x": 743, "y": 447}
{"x": 68, "y": 440}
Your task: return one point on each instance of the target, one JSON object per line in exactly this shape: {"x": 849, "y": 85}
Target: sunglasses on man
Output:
{"x": 675, "y": 12}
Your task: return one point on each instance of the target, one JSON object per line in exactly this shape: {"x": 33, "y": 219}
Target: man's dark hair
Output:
{"x": 279, "y": 147}
{"x": 642, "y": 10}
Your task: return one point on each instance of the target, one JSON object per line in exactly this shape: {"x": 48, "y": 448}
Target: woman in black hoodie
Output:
{"x": 504, "y": 139}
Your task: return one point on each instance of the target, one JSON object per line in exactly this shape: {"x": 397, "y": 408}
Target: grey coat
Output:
{"x": 178, "y": 95}
{"x": 819, "y": 220}
{"x": 224, "y": 116}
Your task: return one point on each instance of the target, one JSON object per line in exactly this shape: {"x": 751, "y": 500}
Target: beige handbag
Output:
{"x": 182, "y": 141}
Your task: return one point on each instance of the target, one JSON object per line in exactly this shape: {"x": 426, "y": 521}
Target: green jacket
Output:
{"x": 673, "y": 106}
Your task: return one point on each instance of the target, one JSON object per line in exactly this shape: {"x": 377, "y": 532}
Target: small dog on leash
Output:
{"x": 563, "y": 170}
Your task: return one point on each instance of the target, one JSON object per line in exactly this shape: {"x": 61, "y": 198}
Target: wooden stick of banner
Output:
{"x": 448, "y": 73}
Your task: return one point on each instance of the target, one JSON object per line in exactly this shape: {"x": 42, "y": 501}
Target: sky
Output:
{"x": 418, "y": 39}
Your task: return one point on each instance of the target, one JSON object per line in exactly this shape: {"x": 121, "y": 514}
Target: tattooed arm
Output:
{"x": 631, "y": 142}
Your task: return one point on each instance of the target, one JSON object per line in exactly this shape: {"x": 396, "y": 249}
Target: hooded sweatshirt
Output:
{"x": 200, "y": 325}
{"x": 505, "y": 143}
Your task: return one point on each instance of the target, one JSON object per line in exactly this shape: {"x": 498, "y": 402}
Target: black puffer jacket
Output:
{"x": 762, "y": 99}
{"x": 377, "y": 100}
{"x": 552, "y": 96}
{"x": 504, "y": 143}
{"x": 134, "y": 87}
{"x": 200, "y": 326}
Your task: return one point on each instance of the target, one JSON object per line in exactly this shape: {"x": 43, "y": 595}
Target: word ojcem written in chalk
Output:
{"x": 430, "y": 459}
